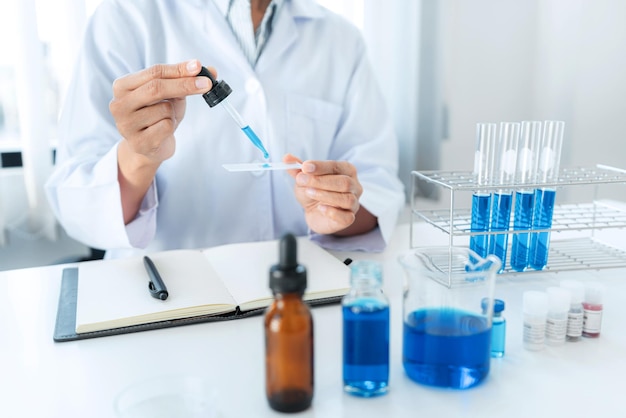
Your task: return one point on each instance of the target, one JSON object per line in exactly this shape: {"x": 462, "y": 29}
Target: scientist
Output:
{"x": 139, "y": 164}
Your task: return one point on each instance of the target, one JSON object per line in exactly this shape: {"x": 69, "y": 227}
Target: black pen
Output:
{"x": 156, "y": 285}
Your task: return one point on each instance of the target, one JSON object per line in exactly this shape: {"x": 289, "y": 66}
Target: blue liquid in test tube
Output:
{"x": 506, "y": 157}
{"x": 522, "y": 221}
{"x": 545, "y": 197}
{"x": 527, "y": 160}
{"x": 481, "y": 200}
{"x": 540, "y": 241}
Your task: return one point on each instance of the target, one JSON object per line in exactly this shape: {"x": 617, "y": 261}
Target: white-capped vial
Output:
{"x": 592, "y": 317}
{"x": 575, "y": 314}
{"x": 535, "y": 308}
{"x": 556, "y": 321}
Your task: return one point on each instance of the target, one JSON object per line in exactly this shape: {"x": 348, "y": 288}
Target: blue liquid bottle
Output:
{"x": 481, "y": 200}
{"x": 545, "y": 197}
{"x": 506, "y": 158}
{"x": 527, "y": 159}
{"x": 498, "y": 327}
{"x": 365, "y": 332}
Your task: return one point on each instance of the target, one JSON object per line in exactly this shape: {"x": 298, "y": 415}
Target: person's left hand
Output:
{"x": 329, "y": 192}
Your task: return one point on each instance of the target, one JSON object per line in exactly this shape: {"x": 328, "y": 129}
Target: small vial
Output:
{"x": 575, "y": 314}
{"x": 288, "y": 335}
{"x": 365, "y": 332}
{"x": 498, "y": 327}
{"x": 535, "y": 308}
{"x": 556, "y": 321}
{"x": 592, "y": 305}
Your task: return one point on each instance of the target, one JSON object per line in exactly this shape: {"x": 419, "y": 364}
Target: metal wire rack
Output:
{"x": 568, "y": 254}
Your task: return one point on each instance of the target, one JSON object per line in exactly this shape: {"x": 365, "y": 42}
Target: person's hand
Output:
{"x": 149, "y": 105}
{"x": 329, "y": 192}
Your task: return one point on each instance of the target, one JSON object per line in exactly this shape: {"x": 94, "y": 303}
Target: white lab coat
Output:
{"x": 312, "y": 93}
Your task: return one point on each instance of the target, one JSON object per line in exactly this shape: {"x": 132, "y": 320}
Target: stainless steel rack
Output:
{"x": 579, "y": 253}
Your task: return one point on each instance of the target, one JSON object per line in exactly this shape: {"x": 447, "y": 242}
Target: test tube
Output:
{"x": 506, "y": 158}
{"x": 547, "y": 172}
{"x": 481, "y": 199}
{"x": 527, "y": 159}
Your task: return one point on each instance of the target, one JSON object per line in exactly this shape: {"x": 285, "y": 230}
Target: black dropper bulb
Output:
{"x": 288, "y": 276}
{"x": 218, "y": 92}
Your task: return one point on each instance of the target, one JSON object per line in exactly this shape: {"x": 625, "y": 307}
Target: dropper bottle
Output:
{"x": 217, "y": 95}
{"x": 288, "y": 335}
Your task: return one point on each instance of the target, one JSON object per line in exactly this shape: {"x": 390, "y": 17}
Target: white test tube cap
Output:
{"x": 594, "y": 293}
{"x": 535, "y": 302}
{"x": 576, "y": 289}
{"x": 558, "y": 299}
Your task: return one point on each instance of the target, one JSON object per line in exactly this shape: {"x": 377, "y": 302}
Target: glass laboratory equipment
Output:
{"x": 527, "y": 159}
{"x": 365, "y": 331}
{"x": 446, "y": 334}
{"x": 481, "y": 199}
{"x": 547, "y": 172}
{"x": 504, "y": 177}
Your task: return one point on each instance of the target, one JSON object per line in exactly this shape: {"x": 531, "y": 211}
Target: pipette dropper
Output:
{"x": 217, "y": 95}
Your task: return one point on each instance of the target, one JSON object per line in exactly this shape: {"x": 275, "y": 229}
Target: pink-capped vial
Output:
{"x": 593, "y": 307}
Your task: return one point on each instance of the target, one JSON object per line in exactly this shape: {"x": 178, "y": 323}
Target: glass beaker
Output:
{"x": 446, "y": 334}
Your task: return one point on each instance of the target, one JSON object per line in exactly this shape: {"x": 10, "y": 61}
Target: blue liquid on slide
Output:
{"x": 500, "y": 219}
{"x": 522, "y": 221}
{"x": 542, "y": 219}
{"x": 481, "y": 211}
{"x": 366, "y": 348}
{"x": 255, "y": 140}
{"x": 446, "y": 347}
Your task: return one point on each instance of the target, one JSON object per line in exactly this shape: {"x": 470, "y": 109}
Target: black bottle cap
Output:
{"x": 218, "y": 92}
{"x": 288, "y": 276}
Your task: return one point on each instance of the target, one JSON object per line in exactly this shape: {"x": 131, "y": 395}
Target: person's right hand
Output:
{"x": 149, "y": 105}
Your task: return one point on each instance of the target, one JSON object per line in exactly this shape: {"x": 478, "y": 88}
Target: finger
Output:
{"x": 147, "y": 116}
{"x": 334, "y": 183}
{"x": 329, "y": 167}
{"x": 336, "y": 219}
{"x": 290, "y": 159}
{"x": 346, "y": 201}
{"x": 159, "y": 71}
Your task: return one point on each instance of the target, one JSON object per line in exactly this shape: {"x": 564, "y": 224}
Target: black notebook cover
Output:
{"x": 65, "y": 328}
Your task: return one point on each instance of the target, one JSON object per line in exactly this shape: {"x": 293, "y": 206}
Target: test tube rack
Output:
{"x": 576, "y": 239}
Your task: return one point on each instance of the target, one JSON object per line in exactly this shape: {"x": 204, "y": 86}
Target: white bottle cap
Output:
{"x": 576, "y": 288}
{"x": 535, "y": 302}
{"x": 558, "y": 299}
{"x": 594, "y": 293}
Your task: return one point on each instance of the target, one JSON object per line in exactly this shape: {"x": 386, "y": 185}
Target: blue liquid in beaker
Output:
{"x": 481, "y": 211}
{"x": 522, "y": 221}
{"x": 446, "y": 347}
{"x": 500, "y": 219}
{"x": 542, "y": 219}
{"x": 366, "y": 348}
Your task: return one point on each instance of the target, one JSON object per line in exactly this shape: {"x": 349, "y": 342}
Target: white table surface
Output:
{"x": 41, "y": 378}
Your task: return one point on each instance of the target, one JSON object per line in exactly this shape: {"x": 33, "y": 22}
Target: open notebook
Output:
{"x": 223, "y": 282}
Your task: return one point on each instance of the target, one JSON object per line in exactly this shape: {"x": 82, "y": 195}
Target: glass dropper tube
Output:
{"x": 217, "y": 95}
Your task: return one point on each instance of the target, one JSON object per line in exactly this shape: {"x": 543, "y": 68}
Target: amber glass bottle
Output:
{"x": 288, "y": 335}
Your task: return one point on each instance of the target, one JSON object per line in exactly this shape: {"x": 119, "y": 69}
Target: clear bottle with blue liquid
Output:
{"x": 365, "y": 332}
{"x": 486, "y": 142}
{"x": 506, "y": 158}
{"x": 498, "y": 327}
{"x": 527, "y": 159}
{"x": 545, "y": 197}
